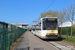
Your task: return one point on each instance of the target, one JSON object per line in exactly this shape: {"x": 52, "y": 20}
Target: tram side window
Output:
{"x": 33, "y": 29}
{"x": 44, "y": 26}
{"x": 38, "y": 27}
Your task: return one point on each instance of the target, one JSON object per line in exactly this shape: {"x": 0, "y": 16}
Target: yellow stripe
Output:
{"x": 38, "y": 33}
{"x": 52, "y": 31}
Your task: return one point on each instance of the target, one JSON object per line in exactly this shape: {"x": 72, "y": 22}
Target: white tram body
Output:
{"x": 33, "y": 29}
{"x": 47, "y": 28}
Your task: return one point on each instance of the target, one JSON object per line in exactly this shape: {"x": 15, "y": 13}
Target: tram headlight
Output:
{"x": 55, "y": 34}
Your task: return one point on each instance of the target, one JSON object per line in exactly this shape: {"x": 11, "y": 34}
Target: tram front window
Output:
{"x": 49, "y": 24}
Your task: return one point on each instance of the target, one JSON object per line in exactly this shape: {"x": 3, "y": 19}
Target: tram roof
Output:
{"x": 40, "y": 21}
{"x": 49, "y": 17}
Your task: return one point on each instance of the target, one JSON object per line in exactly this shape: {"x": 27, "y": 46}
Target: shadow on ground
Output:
{"x": 59, "y": 39}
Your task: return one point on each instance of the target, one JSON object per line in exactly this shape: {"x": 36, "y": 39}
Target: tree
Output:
{"x": 70, "y": 15}
{"x": 62, "y": 18}
{"x": 50, "y": 13}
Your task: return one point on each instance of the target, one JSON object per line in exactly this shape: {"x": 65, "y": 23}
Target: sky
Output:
{"x": 27, "y": 11}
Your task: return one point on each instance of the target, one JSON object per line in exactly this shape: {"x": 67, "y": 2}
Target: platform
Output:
{"x": 31, "y": 42}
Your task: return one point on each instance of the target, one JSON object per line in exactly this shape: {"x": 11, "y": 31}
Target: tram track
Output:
{"x": 56, "y": 44}
{"x": 59, "y": 45}
{"x": 66, "y": 46}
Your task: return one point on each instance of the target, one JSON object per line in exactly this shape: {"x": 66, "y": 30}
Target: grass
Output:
{"x": 70, "y": 40}
{"x": 73, "y": 34}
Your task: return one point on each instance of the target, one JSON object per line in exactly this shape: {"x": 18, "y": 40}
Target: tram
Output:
{"x": 47, "y": 28}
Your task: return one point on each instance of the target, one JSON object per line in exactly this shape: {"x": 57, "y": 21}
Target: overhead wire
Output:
{"x": 50, "y": 5}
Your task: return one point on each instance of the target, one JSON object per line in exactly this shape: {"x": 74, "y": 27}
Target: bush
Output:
{"x": 64, "y": 31}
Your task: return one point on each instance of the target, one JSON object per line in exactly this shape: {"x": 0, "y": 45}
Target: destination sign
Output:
{"x": 51, "y": 19}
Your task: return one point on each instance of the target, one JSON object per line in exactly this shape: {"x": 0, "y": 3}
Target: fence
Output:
{"x": 9, "y": 34}
{"x": 65, "y": 29}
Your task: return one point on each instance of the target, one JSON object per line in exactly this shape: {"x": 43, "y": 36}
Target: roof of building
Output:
{"x": 25, "y": 24}
{"x": 67, "y": 24}
{"x": 21, "y": 24}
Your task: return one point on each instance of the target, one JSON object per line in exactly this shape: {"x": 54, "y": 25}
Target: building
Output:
{"x": 21, "y": 25}
{"x": 67, "y": 24}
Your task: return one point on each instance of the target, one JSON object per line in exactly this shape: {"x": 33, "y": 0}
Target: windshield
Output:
{"x": 49, "y": 24}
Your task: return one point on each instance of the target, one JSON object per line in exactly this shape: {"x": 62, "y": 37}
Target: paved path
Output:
{"x": 31, "y": 42}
